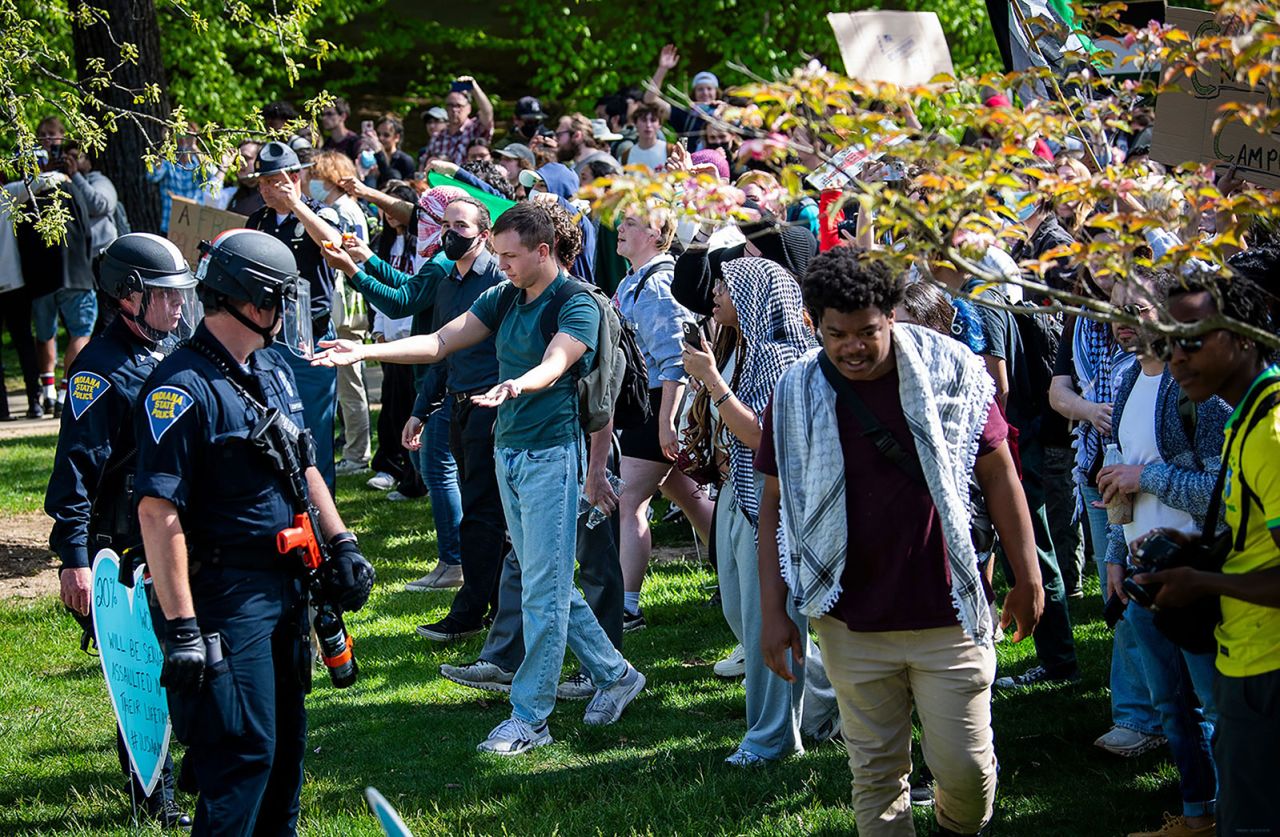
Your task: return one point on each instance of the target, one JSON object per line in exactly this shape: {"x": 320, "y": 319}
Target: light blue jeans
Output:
{"x": 1131, "y": 704}
{"x": 1188, "y": 727}
{"x": 440, "y": 473}
{"x": 540, "y": 490}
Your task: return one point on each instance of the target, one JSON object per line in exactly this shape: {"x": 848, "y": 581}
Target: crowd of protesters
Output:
{"x": 970, "y": 436}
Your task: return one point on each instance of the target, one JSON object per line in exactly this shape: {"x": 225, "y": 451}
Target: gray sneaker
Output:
{"x": 513, "y": 737}
{"x": 482, "y": 675}
{"x": 442, "y": 577}
{"x": 610, "y": 702}
{"x": 577, "y": 687}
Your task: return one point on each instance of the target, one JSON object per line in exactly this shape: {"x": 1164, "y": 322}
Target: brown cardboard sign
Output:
{"x": 904, "y": 48}
{"x": 1184, "y": 119}
{"x": 190, "y": 223}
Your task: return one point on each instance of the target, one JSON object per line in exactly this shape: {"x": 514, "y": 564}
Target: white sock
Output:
{"x": 631, "y": 601}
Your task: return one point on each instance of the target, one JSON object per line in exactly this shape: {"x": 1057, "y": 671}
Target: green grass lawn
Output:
{"x": 412, "y": 734}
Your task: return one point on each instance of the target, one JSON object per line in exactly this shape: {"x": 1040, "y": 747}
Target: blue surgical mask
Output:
{"x": 367, "y": 160}
{"x": 317, "y": 189}
{"x": 1014, "y": 200}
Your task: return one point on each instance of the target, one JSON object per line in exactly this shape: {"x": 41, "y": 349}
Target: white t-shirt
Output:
{"x": 654, "y": 158}
{"x": 1137, "y": 436}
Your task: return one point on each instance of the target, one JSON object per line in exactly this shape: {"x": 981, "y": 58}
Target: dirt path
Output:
{"x": 28, "y": 569}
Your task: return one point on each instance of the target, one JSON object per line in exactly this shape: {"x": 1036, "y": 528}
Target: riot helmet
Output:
{"x": 156, "y": 270}
{"x": 251, "y": 266}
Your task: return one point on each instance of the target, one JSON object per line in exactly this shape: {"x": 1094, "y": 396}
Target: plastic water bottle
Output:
{"x": 1120, "y": 509}
{"x": 596, "y": 515}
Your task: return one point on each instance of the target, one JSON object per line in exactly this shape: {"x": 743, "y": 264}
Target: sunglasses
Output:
{"x": 1133, "y": 309}
{"x": 1163, "y": 348}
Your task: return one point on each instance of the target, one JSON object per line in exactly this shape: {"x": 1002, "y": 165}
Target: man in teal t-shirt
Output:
{"x": 540, "y": 462}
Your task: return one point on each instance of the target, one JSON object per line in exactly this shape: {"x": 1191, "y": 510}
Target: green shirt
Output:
{"x": 547, "y": 418}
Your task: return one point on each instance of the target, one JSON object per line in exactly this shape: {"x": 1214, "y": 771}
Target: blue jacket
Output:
{"x": 1186, "y": 476}
{"x": 96, "y": 445}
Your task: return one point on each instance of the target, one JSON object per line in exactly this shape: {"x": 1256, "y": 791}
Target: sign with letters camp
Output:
{"x": 1184, "y": 119}
{"x": 131, "y": 663}
{"x": 190, "y": 223}
{"x": 903, "y": 48}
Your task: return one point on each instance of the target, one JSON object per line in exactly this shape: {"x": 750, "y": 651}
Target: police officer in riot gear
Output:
{"x": 286, "y": 215}
{"x": 148, "y": 283}
{"x": 212, "y": 502}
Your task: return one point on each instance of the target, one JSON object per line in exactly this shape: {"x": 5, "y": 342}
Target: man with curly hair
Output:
{"x": 903, "y": 617}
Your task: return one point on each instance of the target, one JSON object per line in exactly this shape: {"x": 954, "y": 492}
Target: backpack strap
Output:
{"x": 507, "y": 300}
{"x": 549, "y": 322}
{"x": 644, "y": 278}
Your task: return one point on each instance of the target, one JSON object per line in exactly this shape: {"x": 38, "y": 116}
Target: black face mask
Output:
{"x": 456, "y": 246}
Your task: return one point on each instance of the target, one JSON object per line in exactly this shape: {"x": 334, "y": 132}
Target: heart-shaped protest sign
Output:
{"x": 131, "y": 661}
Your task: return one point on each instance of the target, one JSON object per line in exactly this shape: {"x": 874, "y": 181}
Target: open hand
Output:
{"x": 339, "y": 353}
{"x": 669, "y": 57}
{"x": 502, "y": 392}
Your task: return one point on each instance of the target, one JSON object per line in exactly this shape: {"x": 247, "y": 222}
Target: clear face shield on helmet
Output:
{"x": 295, "y": 314}
{"x": 169, "y": 313}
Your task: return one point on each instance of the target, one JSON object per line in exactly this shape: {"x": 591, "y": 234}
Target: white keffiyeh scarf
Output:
{"x": 946, "y": 395}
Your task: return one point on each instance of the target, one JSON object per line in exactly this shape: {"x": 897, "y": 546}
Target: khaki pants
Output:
{"x": 350, "y": 323}
{"x": 876, "y": 677}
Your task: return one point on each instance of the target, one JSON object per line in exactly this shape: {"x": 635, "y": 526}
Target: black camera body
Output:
{"x": 1190, "y": 627}
{"x": 1159, "y": 552}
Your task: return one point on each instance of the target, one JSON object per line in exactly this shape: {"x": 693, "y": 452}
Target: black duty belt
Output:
{"x": 242, "y": 558}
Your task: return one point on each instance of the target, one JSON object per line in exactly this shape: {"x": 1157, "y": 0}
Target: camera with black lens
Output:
{"x": 1158, "y": 552}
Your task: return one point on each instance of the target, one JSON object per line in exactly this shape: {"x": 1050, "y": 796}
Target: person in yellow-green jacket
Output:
{"x": 1243, "y": 372}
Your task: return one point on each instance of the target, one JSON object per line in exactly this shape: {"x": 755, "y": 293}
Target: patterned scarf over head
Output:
{"x": 431, "y": 204}
{"x": 771, "y": 319}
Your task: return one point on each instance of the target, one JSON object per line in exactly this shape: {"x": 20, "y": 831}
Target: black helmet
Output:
{"x": 257, "y": 268}
{"x": 137, "y": 261}
{"x": 247, "y": 265}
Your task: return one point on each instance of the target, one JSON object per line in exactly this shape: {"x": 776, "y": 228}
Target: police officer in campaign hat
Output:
{"x": 216, "y": 489}
{"x": 148, "y": 283}
{"x": 286, "y": 214}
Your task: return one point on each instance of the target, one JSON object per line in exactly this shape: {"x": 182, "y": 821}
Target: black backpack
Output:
{"x": 617, "y": 384}
{"x": 1040, "y": 330}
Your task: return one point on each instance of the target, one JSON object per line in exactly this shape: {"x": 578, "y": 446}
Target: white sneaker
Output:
{"x": 734, "y": 665}
{"x": 1127, "y": 743}
{"x": 346, "y": 466}
{"x": 482, "y": 675}
{"x": 442, "y": 577}
{"x": 382, "y": 481}
{"x": 513, "y": 737}
{"x": 608, "y": 704}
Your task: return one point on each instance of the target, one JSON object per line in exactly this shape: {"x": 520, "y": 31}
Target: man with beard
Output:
{"x": 576, "y": 145}
{"x": 451, "y": 143}
{"x": 245, "y": 199}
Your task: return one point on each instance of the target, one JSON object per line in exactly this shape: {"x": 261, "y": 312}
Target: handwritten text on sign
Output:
{"x": 131, "y": 662}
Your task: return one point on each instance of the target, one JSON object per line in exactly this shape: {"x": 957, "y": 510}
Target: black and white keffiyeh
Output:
{"x": 946, "y": 395}
{"x": 771, "y": 318}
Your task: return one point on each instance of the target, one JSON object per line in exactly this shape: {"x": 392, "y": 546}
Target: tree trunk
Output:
{"x": 130, "y": 21}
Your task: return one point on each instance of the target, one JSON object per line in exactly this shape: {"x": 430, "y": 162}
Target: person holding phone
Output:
{"x": 462, "y": 128}
{"x": 644, "y": 300}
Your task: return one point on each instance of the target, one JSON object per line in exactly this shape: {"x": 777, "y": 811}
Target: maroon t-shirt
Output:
{"x": 896, "y": 576}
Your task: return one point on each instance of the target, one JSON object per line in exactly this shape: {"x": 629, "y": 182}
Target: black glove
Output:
{"x": 184, "y": 658}
{"x": 347, "y": 577}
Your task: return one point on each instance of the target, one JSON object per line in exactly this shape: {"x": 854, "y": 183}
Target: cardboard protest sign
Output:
{"x": 848, "y": 163}
{"x": 131, "y": 662}
{"x": 904, "y": 48}
{"x": 1184, "y": 118}
{"x": 190, "y": 223}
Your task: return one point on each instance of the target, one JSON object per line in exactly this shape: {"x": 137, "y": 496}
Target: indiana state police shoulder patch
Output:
{"x": 84, "y": 389}
{"x": 165, "y": 405}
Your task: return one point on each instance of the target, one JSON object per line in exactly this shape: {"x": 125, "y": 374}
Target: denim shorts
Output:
{"x": 78, "y": 309}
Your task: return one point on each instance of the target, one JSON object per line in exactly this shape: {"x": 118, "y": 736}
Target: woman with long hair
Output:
{"x": 762, "y": 331}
